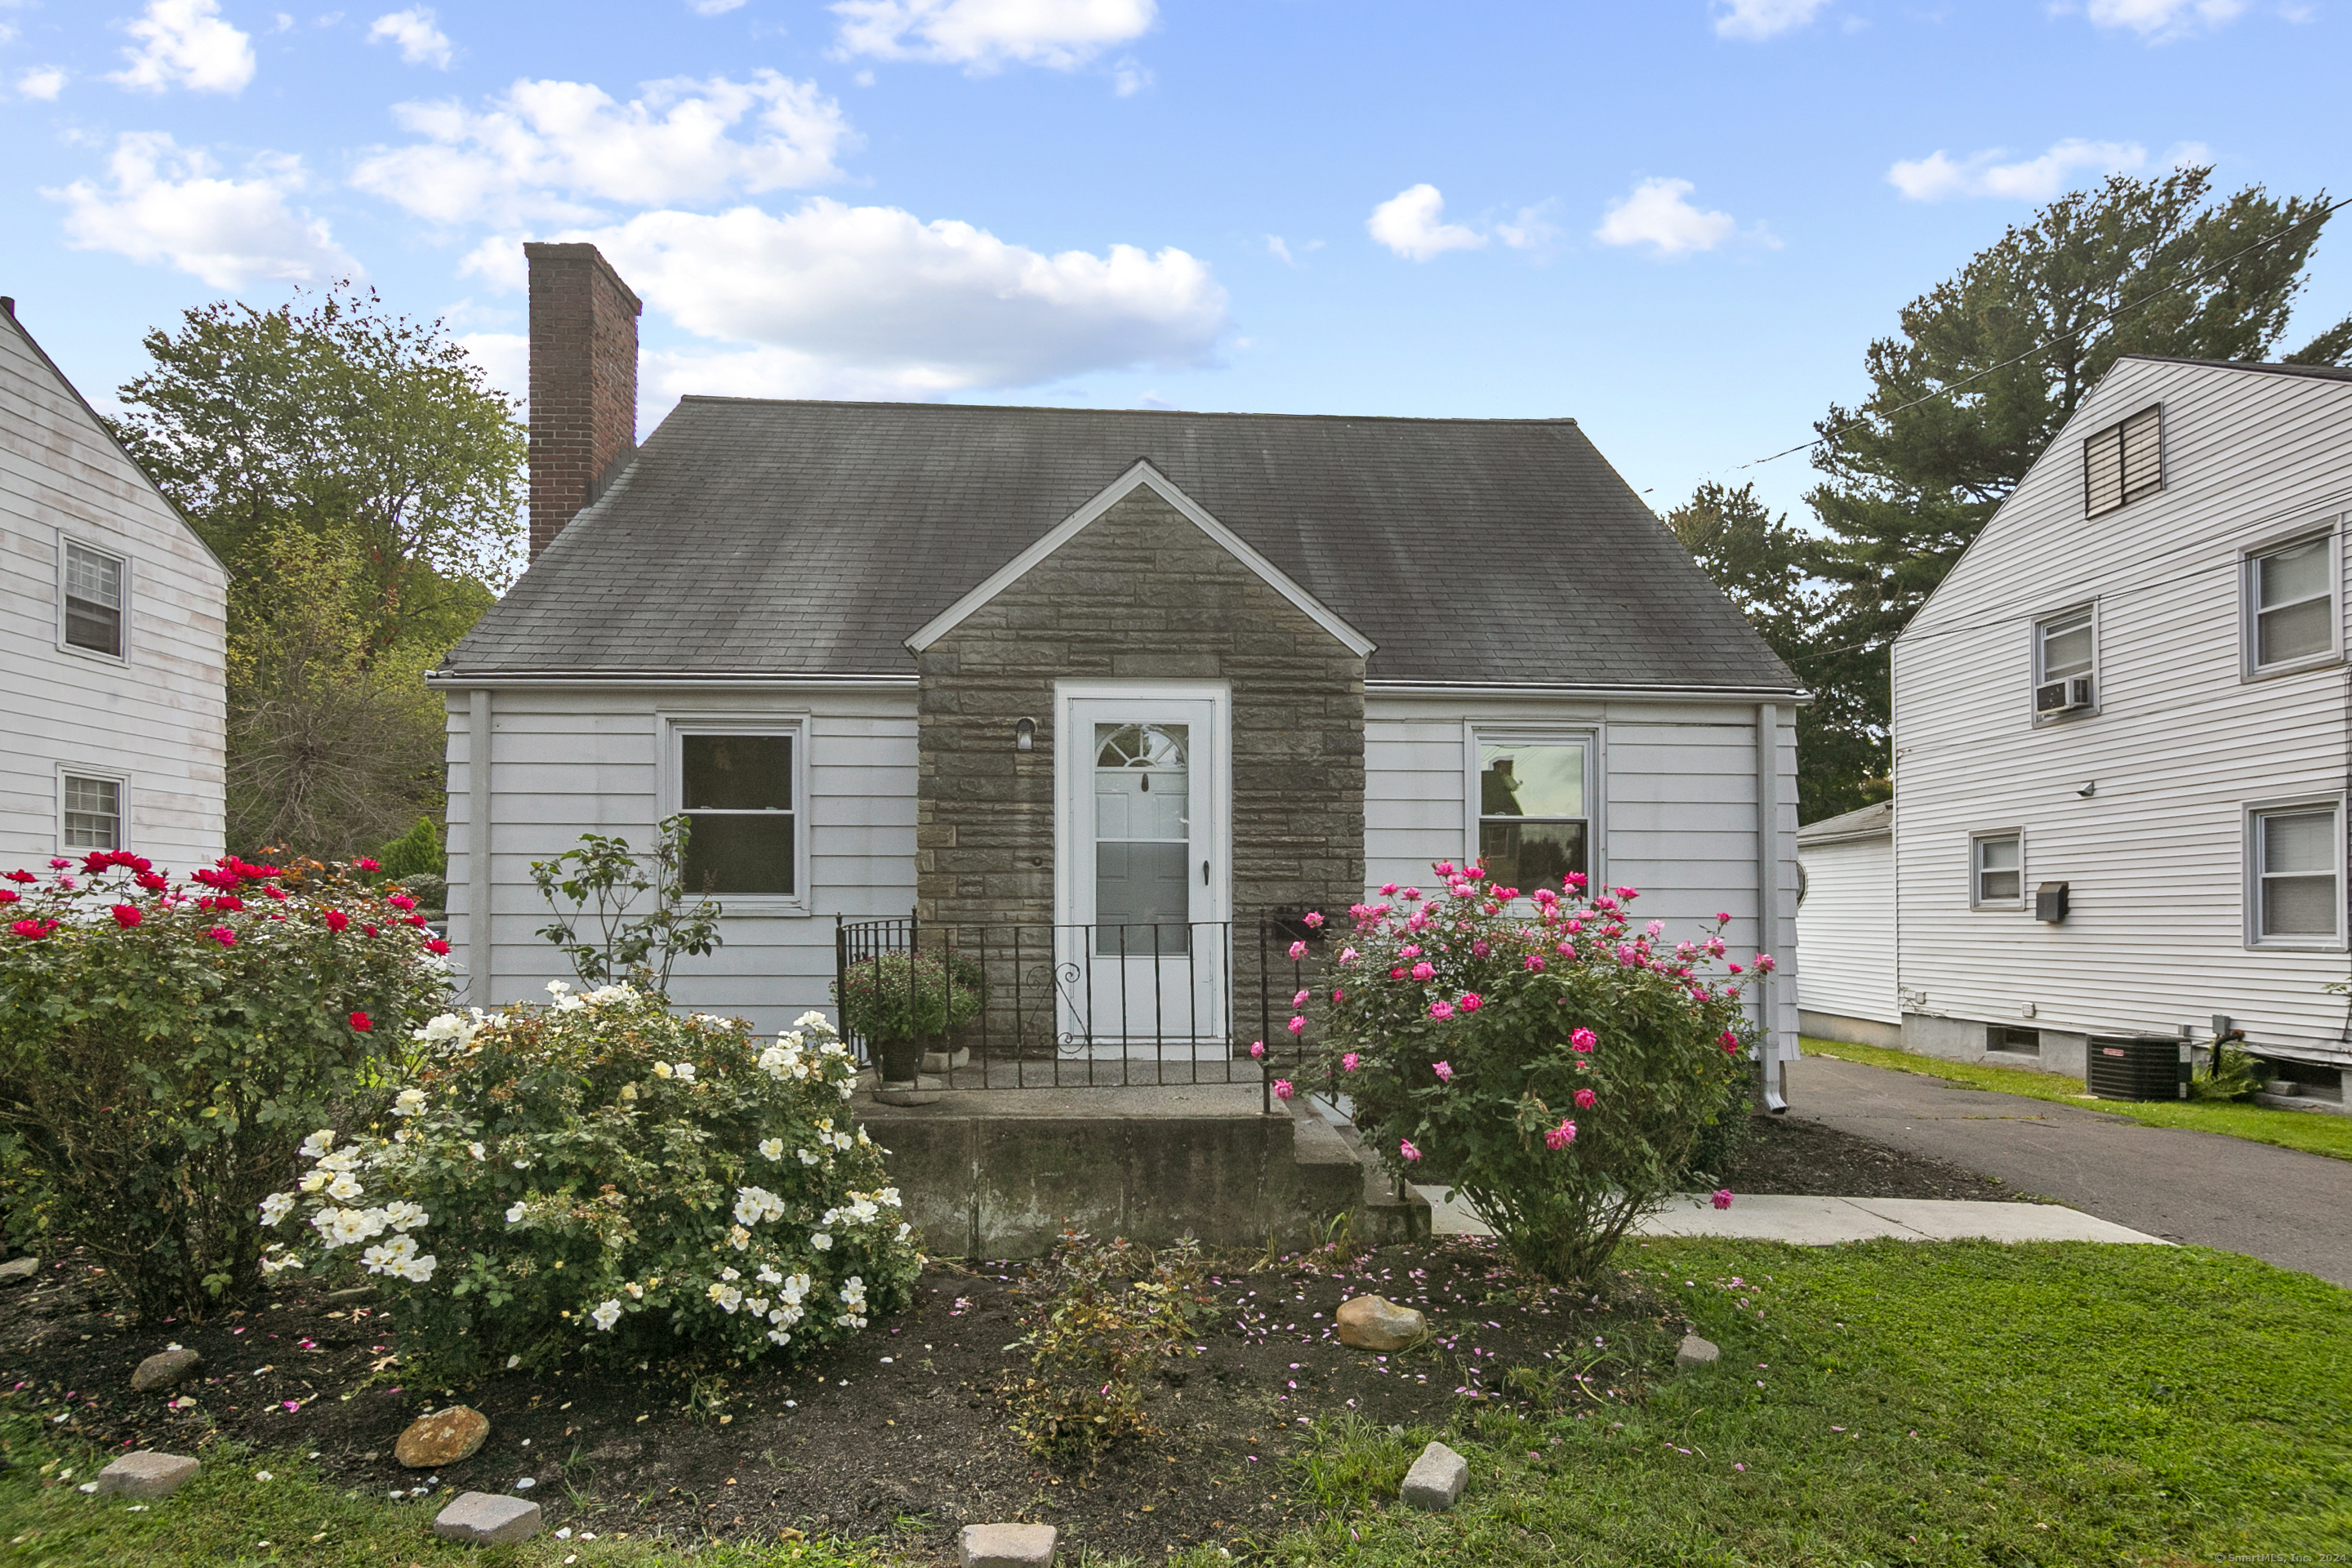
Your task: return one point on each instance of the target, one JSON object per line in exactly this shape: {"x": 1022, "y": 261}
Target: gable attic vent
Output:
{"x": 2123, "y": 462}
{"x": 583, "y": 383}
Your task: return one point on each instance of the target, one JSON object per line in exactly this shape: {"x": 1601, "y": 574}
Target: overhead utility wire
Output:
{"x": 1819, "y": 438}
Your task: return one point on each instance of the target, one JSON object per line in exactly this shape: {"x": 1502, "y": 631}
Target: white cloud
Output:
{"x": 2162, "y": 20}
{"x": 547, "y": 149}
{"x": 44, "y": 82}
{"x": 984, "y": 34}
{"x": 421, "y": 42}
{"x": 184, "y": 43}
{"x": 1763, "y": 18}
{"x": 714, "y": 7}
{"x": 1939, "y": 175}
{"x": 1127, "y": 77}
{"x": 1659, "y": 213}
{"x": 1532, "y": 230}
{"x": 505, "y": 359}
{"x": 167, "y": 203}
{"x": 1408, "y": 223}
{"x": 836, "y": 300}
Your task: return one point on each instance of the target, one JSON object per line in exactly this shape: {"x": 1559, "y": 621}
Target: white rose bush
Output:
{"x": 600, "y": 1174}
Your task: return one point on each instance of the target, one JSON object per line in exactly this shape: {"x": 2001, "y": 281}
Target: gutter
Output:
{"x": 656, "y": 679}
{"x": 1794, "y": 696}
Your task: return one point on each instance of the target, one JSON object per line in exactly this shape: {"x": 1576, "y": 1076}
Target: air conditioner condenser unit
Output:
{"x": 2063, "y": 695}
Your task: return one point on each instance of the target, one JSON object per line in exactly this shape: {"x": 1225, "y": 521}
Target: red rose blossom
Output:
{"x": 365, "y": 864}
{"x": 34, "y": 931}
{"x": 336, "y": 919}
{"x": 436, "y": 945}
{"x": 401, "y": 901}
{"x": 362, "y": 1022}
{"x": 22, "y": 877}
{"x": 127, "y": 915}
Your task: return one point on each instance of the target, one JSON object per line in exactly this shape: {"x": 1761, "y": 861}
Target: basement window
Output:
{"x": 2014, "y": 1042}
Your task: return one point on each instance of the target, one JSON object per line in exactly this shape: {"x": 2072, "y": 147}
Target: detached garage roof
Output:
{"x": 798, "y": 538}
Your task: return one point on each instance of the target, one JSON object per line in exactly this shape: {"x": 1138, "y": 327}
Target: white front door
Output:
{"x": 1143, "y": 954}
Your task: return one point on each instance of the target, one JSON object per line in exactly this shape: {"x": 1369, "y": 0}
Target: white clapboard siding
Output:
{"x": 1676, "y": 818}
{"x": 2180, "y": 745}
{"x": 1845, "y": 927}
{"x": 155, "y": 718}
{"x": 568, "y": 761}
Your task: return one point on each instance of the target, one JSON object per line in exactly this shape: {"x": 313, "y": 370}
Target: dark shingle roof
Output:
{"x": 815, "y": 538}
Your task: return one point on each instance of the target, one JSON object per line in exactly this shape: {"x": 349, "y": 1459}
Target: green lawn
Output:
{"x": 1898, "y": 1404}
{"x": 2315, "y": 1132}
{"x": 1960, "y": 1403}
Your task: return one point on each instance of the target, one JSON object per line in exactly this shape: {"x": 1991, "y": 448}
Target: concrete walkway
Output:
{"x": 2280, "y": 1205}
{"x": 1820, "y": 1222}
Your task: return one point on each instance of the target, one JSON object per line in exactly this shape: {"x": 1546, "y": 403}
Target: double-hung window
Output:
{"x": 2066, "y": 655}
{"x": 2295, "y": 879}
{"x": 92, "y": 816}
{"x": 736, "y": 788}
{"x": 2123, "y": 462}
{"x": 1997, "y": 870}
{"x": 94, "y": 583}
{"x": 2292, "y": 618}
{"x": 1534, "y": 824}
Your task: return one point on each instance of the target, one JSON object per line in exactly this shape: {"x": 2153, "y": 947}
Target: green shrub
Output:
{"x": 601, "y": 1172}
{"x": 163, "y": 1048}
{"x": 1558, "y": 1068}
{"x": 2232, "y": 1074}
{"x": 417, "y": 853}
{"x": 1726, "y": 1133}
{"x": 1104, "y": 1320}
{"x": 908, "y": 996}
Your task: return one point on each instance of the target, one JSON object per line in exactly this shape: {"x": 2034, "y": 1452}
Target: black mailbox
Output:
{"x": 2050, "y": 902}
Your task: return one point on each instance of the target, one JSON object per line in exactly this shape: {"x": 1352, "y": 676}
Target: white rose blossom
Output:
{"x": 405, "y": 1215}
{"x": 408, "y": 1102}
{"x": 822, "y": 1242}
{"x": 606, "y": 1315}
{"x": 514, "y": 1214}
{"x": 772, "y": 1148}
{"x": 753, "y": 1204}
{"x": 344, "y": 1187}
{"x": 318, "y": 1143}
{"x": 276, "y": 1206}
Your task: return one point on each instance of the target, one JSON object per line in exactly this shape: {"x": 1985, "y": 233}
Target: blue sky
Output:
{"x": 1679, "y": 222}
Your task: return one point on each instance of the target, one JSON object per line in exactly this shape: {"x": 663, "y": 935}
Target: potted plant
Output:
{"x": 901, "y": 1003}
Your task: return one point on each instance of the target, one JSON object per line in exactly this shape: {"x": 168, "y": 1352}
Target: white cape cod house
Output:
{"x": 1146, "y": 676}
{"x": 2122, "y": 735}
{"x": 113, "y": 631}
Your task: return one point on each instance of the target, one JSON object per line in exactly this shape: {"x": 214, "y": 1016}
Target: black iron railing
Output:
{"x": 1106, "y": 1006}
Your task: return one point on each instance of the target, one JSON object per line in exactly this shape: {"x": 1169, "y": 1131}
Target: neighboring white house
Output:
{"x": 1021, "y": 667}
{"x": 1845, "y": 928}
{"x": 2123, "y": 733}
{"x": 112, "y": 626}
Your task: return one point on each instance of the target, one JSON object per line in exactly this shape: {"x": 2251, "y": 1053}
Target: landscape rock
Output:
{"x": 147, "y": 1476}
{"x": 164, "y": 1369}
{"x": 487, "y": 1518}
{"x": 1435, "y": 1481}
{"x": 1376, "y": 1323}
{"x": 1007, "y": 1545}
{"x": 441, "y": 1438}
{"x": 18, "y": 1268}
{"x": 1695, "y": 1352}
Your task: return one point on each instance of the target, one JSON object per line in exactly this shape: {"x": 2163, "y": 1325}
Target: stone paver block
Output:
{"x": 441, "y": 1438}
{"x": 487, "y": 1518}
{"x": 164, "y": 1369}
{"x": 1376, "y": 1323}
{"x": 18, "y": 1268}
{"x": 147, "y": 1476}
{"x": 1435, "y": 1481}
{"x": 1695, "y": 1352}
{"x": 1007, "y": 1545}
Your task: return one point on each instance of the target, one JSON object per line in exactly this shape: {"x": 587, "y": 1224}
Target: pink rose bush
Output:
{"x": 165, "y": 1042}
{"x": 1468, "y": 1023}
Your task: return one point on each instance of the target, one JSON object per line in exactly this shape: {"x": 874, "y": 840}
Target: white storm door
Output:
{"x": 1143, "y": 950}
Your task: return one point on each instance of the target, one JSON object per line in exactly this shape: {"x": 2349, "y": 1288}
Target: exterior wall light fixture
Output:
{"x": 1024, "y": 734}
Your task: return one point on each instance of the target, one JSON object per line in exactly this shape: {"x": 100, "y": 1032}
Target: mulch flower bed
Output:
{"x": 902, "y": 1432}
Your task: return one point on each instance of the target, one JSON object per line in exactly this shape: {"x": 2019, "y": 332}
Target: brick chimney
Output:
{"x": 583, "y": 383}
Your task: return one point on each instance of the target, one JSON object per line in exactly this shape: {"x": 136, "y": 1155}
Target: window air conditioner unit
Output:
{"x": 2063, "y": 695}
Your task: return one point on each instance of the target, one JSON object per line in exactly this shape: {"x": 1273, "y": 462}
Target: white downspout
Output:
{"x": 477, "y": 847}
{"x": 1768, "y": 899}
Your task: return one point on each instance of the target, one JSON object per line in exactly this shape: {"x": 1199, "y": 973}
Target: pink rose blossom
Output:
{"x": 222, "y": 935}
{"x": 1561, "y": 1136}
{"x": 1412, "y": 894}
{"x": 1314, "y": 920}
{"x": 1722, "y": 917}
{"x": 1409, "y": 949}
{"x": 1535, "y": 964}
{"x": 1350, "y": 1062}
{"x": 1723, "y": 1198}
{"x": 1282, "y": 1090}
{"x": 1257, "y": 1049}
{"x": 1299, "y": 1000}
{"x": 1479, "y": 949}
{"x": 1346, "y": 955}
{"x": 1388, "y": 889}
{"x": 1298, "y": 950}
{"x": 1406, "y": 1148}
{"x": 1444, "y": 1071}
{"x": 1444, "y": 867}
{"x": 1655, "y": 927}
{"x": 1298, "y": 1025}
{"x": 1338, "y": 995}
{"x": 1584, "y": 1098}
{"x": 1424, "y": 970}
{"x": 1584, "y": 1039}
{"x": 1472, "y": 1001}
{"x": 1764, "y": 962}
{"x": 1441, "y": 1011}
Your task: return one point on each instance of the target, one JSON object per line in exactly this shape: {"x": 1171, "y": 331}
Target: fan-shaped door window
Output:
{"x": 1143, "y": 839}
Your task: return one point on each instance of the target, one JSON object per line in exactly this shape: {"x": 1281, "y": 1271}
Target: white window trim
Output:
{"x": 120, "y": 560}
{"x": 2251, "y": 894}
{"x": 1474, "y": 731}
{"x": 121, "y": 780}
{"x": 2271, "y": 544}
{"x": 2033, "y": 662}
{"x": 794, "y": 723}
{"x": 2024, "y": 899}
{"x": 1073, "y": 761}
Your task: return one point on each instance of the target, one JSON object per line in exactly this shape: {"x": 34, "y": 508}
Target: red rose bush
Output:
{"x": 1538, "y": 1052}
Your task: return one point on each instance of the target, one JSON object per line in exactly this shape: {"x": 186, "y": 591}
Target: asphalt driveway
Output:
{"x": 2280, "y": 1205}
